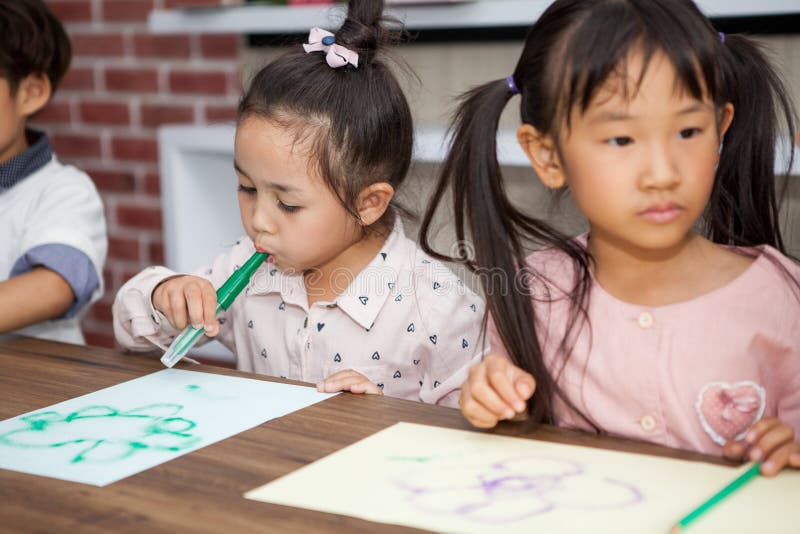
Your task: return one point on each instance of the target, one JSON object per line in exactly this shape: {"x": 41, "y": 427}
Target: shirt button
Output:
{"x": 648, "y": 423}
{"x": 645, "y": 320}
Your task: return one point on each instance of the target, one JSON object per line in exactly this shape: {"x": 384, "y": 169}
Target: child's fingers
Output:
{"x": 779, "y": 458}
{"x": 734, "y": 450}
{"x": 366, "y": 387}
{"x": 177, "y": 309}
{"x": 480, "y": 388}
{"x": 524, "y": 383}
{"x": 794, "y": 458}
{"x": 760, "y": 428}
{"x": 475, "y": 412}
{"x": 502, "y": 376}
{"x": 210, "y": 309}
{"x": 773, "y": 438}
{"x": 194, "y": 304}
{"x": 340, "y": 381}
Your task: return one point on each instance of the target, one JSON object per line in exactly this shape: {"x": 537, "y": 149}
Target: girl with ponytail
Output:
{"x": 676, "y": 318}
{"x": 323, "y": 141}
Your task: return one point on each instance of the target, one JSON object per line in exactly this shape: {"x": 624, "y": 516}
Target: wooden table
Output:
{"x": 202, "y": 491}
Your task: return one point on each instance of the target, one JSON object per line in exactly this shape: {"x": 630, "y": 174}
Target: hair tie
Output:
{"x": 336, "y": 55}
{"x": 722, "y": 37}
{"x": 511, "y": 85}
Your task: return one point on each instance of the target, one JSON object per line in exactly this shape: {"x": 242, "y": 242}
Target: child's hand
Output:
{"x": 496, "y": 389}
{"x": 770, "y": 441}
{"x": 348, "y": 380}
{"x": 188, "y": 300}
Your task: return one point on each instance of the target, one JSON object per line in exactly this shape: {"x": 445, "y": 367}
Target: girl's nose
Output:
{"x": 262, "y": 221}
{"x": 661, "y": 171}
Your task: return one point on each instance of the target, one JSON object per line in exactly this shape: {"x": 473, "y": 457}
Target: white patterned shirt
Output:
{"x": 406, "y": 322}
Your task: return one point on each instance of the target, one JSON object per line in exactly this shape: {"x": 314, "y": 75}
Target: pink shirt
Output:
{"x": 689, "y": 375}
{"x": 406, "y": 322}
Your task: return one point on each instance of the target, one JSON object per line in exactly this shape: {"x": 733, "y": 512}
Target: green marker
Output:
{"x": 226, "y": 294}
{"x": 737, "y": 483}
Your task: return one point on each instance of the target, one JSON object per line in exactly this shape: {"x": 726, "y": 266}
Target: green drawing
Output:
{"x": 104, "y": 434}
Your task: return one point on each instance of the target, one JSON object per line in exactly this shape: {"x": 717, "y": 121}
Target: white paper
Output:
{"x": 458, "y": 481}
{"x": 113, "y": 433}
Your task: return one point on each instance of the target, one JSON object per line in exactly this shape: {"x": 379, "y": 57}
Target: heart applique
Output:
{"x": 727, "y": 411}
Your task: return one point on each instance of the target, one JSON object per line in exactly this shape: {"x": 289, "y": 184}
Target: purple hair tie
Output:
{"x": 511, "y": 85}
{"x": 722, "y": 37}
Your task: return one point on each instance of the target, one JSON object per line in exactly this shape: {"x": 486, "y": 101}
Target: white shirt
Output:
{"x": 57, "y": 204}
{"x": 406, "y": 322}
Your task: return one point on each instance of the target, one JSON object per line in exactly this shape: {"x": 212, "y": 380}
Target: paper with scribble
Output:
{"x": 113, "y": 433}
{"x": 458, "y": 481}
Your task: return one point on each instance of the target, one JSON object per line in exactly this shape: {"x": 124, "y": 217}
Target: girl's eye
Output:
{"x": 287, "y": 208}
{"x": 619, "y": 141}
{"x": 246, "y": 190}
{"x": 686, "y": 133}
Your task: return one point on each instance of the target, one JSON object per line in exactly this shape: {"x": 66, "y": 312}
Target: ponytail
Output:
{"x": 744, "y": 206}
{"x": 480, "y": 204}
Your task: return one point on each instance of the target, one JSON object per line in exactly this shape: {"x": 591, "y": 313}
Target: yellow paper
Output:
{"x": 458, "y": 481}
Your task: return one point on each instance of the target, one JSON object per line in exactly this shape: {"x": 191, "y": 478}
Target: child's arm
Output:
{"x": 30, "y": 298}
{"x": 156, "y": 304}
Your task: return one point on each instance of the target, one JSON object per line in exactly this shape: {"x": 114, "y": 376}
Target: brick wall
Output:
{"x": 123, "y": 84}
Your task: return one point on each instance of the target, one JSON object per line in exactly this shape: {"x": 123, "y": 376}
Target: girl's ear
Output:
{"x": 726, "y": 118}
{"x": 33, "y": 93}
{"x": 541, "y": 152}
{"x": 373, "y": 202}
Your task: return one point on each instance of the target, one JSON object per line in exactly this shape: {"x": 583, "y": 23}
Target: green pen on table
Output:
{"x": 737, "y": 483}
{"x": 226, "y": 294}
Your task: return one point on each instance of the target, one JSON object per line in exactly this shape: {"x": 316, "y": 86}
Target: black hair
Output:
{"x": 32, "y": 41}
{"x": 357, "y": 118}
{"x": 569, "y": 53}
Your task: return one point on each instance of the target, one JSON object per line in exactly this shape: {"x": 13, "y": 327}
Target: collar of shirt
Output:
{"x": 363, "y": 296}
{"x": 37, "y": 155}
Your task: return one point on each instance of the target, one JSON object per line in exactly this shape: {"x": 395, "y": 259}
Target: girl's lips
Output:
{"x": 662, "y": 213}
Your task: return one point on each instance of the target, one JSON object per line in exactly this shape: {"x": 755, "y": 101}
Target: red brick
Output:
{"x": 139, "y": 80}
{"x": 198, "y": 82}
{"x": 139, "y": 217}
{"x": 152, "y": 184}
{"x": 101, "y": 311}
{"x": 126, "y": 10}
{"x": 78, "y": 78}
{"x": 220, "y": 46}
{"x": 135, "y": 148}
{"x": 220, "y": 113}
{"x": 97, "y": 44}
{"x": 112, "y": 181}
{"x": 100, "y": 338}
{"x": 96, "y": 112}
{"x": 76, "y": 145}
{"x": 169, "y": 4}
{"x": 154, "y": 115}
{"x": 162, "y": 46}
{"x": 108, "y": 279}
{"x": 157, "y": 253}
{"x": 71, "y": 10}
{"x": 123, "y": 249}
{"x": 55, "y": 112}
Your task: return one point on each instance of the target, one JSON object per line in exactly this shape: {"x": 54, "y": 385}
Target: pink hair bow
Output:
{"x": 336, "y": 55}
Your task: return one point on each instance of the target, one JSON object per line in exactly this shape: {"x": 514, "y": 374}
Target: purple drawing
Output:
{"x": 513, "y": 489}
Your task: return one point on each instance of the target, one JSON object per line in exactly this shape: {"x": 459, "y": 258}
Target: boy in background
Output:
{"x": 52, "y": 229}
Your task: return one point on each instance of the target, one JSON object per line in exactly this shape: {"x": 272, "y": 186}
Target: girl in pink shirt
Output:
{"x": 676, "y": 318}
{"x": 323, "y": 140}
